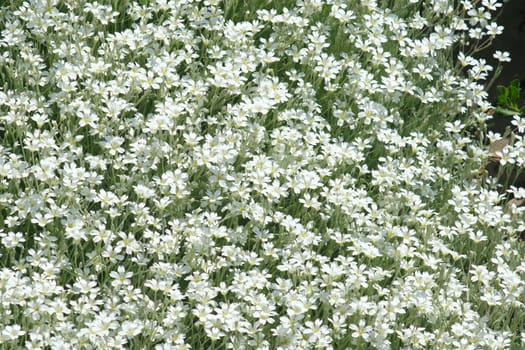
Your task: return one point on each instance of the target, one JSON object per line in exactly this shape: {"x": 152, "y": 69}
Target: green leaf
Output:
{"x": 514, "y": 93}
{"x": 503, "y": 100}
{"x": 501, "y": 90}
{"x": 503, "y": 94}
{"x": 506, "y": 111}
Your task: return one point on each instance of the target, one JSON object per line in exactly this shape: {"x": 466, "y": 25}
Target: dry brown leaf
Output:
{"x": 498, "y": 146}
{"x": 516, "y": 202}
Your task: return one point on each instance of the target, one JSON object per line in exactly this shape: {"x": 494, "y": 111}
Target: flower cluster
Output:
{"x": 252, "y": 175}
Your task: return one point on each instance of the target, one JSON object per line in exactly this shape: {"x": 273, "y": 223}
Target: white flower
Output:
{"x": 519, "y": 123}
{"x": 12, "y": 332}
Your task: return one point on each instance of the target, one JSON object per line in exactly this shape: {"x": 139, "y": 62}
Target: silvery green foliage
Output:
{"x": 252, "y": 175}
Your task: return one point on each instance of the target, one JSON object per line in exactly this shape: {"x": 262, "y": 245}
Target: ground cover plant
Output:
{"x": 244, "y": 174}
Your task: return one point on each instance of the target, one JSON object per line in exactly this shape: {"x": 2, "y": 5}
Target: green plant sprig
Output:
{"x": 508, "y": 99}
